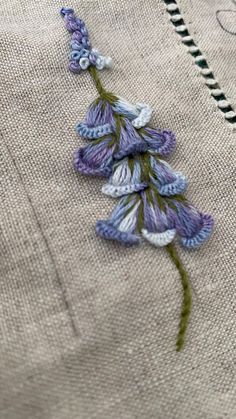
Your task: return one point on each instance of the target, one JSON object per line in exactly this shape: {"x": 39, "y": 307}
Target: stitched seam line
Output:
{"x": 200, "y": 60}
{"x": 65, "y": 299}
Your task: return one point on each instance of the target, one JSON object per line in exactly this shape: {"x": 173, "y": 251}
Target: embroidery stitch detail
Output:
{"x": 219, "y": 13}
{"x": 82, "y": 55}
{"x": 130, "y": 153}
{"x": 215, "y": 90}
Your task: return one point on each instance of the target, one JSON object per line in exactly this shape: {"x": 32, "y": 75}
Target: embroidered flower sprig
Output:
{"x": 131, "y": 154}
{"x": 82, "y": 55}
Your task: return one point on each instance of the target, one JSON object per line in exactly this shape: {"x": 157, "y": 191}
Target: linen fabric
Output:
{"x": 88, "y": 327}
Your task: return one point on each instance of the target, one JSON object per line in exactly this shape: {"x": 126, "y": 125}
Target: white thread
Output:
{"x": 141, "y": 105}
{"x": 159, "y": 239}
{"x": 217, "y": 92}
{"x": 230, "y": 115}
{"x": 172, "y": 7}
{"x": 199, "y": 59}
{"x": 129, "y": 222}
{"x": 100, "y": 62}
{"x": 95, "y": 51}
{"x": 84, "y": 63}
{"x": 116, "y": 191}
{"x": 206, "y": 71}
{"x": 123, "y": 104}
{"x": 186, "y": 39}
{"x": 223, "y": 104}
{"x": 141, "y": 112}
{"x": 144, "y": 115}
{"x": 181, "y": 28}
{"x": 210, "y": 82}
{"x": 176, "y": 18}
{"x": 108, "y": 62}
{"x": 193, "y": 49}
{"x": 124, "y": 182}
{"x": 121, "y": 175}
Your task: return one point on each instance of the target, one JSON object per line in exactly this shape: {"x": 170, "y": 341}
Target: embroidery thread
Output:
{"x": 225, "y": 12}
{"x": 131, "y": 155}
{"x": 201, "y": 62}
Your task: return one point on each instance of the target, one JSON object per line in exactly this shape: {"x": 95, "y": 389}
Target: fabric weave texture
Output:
{"x": 87, "y": 327}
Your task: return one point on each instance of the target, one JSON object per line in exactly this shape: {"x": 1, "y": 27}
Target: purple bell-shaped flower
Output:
{"x": 123, "y": 222}
{"x": 193, "y": 227}
{"x": 125, "y": 179}
{"x": 167, "y": 181}
{"x": 96, "y": 158}
{"x": 156, "y": 227}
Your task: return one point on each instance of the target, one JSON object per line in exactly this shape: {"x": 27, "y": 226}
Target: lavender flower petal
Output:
{"x": 107, "y": 231}
{"x": 192, "y": 226}
{"x": 162, "y": 142}
{"x": 99, "y": 113}
{"x": 130, "y": 141}
{"x": 76, "y": 38}
{"x": 167, "y": 181}
{"x": 122, "y": 223}
{"x": 74, "y": 67}
{"x": 155, "y": 220}
{"x": 204, "y": 233}
{"x": 156, "y": 226}
{"x": 124, "y": 180}
{"x": 95, "y": 159}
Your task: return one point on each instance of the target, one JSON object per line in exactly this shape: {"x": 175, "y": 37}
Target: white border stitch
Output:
{"x": 200, "y": 60}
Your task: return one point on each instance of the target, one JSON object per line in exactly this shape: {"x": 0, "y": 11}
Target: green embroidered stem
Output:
{"x": 187, "y": 297}
{"x": 101, "y": 90}
{"x": 97, "y": 80}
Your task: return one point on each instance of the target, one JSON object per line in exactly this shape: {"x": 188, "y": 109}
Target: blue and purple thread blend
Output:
{"x": 124, "y": 149}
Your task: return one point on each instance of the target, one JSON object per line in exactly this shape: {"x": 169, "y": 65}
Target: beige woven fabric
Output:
{"x": 87, "y": 327}
{"x": 213, "y": 24}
